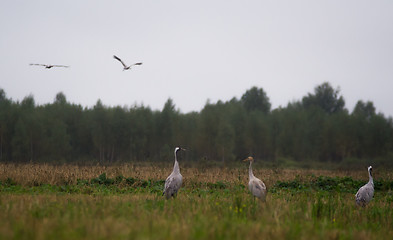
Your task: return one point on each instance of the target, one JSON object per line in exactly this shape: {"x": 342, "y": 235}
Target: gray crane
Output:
{"x": 48, "y": 66}
{"x": 125, "y": 67}
{"x": 174, "y": 181}
{"x": 366, "y": 192}
{"x": 256, "y": 186}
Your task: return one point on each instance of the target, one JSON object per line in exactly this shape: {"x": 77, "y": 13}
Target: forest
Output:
{"x": 318, "y": 128}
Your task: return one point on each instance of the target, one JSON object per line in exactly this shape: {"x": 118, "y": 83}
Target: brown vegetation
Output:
{"x": 35, "y": 174}
{"x": 228, "y": 213}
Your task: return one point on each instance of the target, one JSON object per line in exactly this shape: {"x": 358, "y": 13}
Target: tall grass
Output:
{"x": 36, "y": 174}
{"x": 214, "y": 216}
{"x": 125, "y": 202}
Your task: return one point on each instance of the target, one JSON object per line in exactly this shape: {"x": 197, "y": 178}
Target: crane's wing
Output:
{"x": 60, "y": 66}
{"x": 137, "y": 63}
{"x": 258, "y": 189}
{"x": 172, "y": 185}
{"x": 118, "y": 59}
{"x": 37, "y": 64}
{"x": 172, "y": 182}
{"x": 259, "y": 185}
{"x": 364, "y": 195}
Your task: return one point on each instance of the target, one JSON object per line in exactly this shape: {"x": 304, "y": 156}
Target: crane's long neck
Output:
{"x": 176, "y": 168}
{"x": 370, "y": 177}
{"x": 250, "y": 174}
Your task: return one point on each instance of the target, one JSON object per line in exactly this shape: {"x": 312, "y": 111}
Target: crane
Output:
{"x": 174, "y": 181}
{"x": 48, "y": 66}
{"x": 366, "y": 192}
{"x": 125, "y": 67}
{"x": 256, "y": 186}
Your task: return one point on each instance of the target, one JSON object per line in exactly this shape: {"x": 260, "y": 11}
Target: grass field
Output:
{"x": 39, "y": 201}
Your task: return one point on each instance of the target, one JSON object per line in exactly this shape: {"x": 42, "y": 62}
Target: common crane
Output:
{"x": 125, "y": 67}
{"x": 174, "y": 181}
{"x": 366, "y": 192}
{"x": 48, "y": 66}
{"x": 256, "y": 186}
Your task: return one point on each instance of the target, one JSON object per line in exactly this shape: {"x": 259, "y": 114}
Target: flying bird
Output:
{"x": 174, "y": 181}
{"x": 256, "y": 186}
{"x": 125, "y": 67}
{"x": 47, "y": 65}
{"x": 366, "y": 193}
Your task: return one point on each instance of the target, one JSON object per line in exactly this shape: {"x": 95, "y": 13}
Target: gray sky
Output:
{"x": 193, "y": 51}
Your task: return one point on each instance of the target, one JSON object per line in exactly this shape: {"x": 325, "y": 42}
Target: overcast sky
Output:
{"x": 193, "y": 51}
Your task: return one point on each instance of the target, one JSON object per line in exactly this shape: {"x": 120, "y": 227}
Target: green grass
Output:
{"x": 130, "y": 208}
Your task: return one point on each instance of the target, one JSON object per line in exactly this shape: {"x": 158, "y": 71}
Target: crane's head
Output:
{"x": 178, "y": 149}
{"x": 370, "y": 169}
{"x": 249, "y": 159}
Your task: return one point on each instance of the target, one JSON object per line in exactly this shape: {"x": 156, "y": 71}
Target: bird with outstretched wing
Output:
{"x": 48, "y": 66}
{"x": 125, "y": 67}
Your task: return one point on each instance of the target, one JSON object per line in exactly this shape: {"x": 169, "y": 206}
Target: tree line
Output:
{"x": 316, "y": 128}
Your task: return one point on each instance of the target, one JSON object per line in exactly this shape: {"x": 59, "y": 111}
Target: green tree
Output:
{"x": 57, "y": 141}
{"x": 257, "y": 137}
{"x": 337, "y": 139}
{"x": 60, "y": 99}
{"x": 6, "y": 124}
{"x": 99, "y": 128}
{"x": 207, "y": 131}
{"x": 225, "y": 141}
{"x": 364, "y": 110}
{"x": 325, "y": 97}
{"x": 256, "y": 99}
{"x": 316, "y": 128}
{"x": 166, "y": 123}
{"x": 119, "y": 133}
{"x": 28, "y": 131}
{"x": 141, "y": 122}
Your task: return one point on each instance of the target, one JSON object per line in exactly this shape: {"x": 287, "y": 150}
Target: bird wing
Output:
{"x": 60, "y": 66}
{"x": 365, "y": 194}
{"x": 168, "y": 183}
{"x": 258, "y": 188}
{"x": 259, "y": 185}
{"x": 37, "y": 64}
{"x": 137, "y": 63}
{"x": 173, "y": 181}
{"x": 172, "y": 185}
{"x": 115, "y": 57}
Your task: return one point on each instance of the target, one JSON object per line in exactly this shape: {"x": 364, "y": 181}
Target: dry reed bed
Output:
{"x": 34, "y": 174}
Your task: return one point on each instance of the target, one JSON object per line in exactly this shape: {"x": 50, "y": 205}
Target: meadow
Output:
{"x": 124, "y": 201}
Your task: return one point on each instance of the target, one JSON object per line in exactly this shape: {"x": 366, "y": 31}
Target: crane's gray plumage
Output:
{"x": 255, "y": 185}
{"x": 174, "y": 181}
{"x": 125, "y": 67}
{"x": 47, "y": 65}
{"x": 366, "y": 193}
